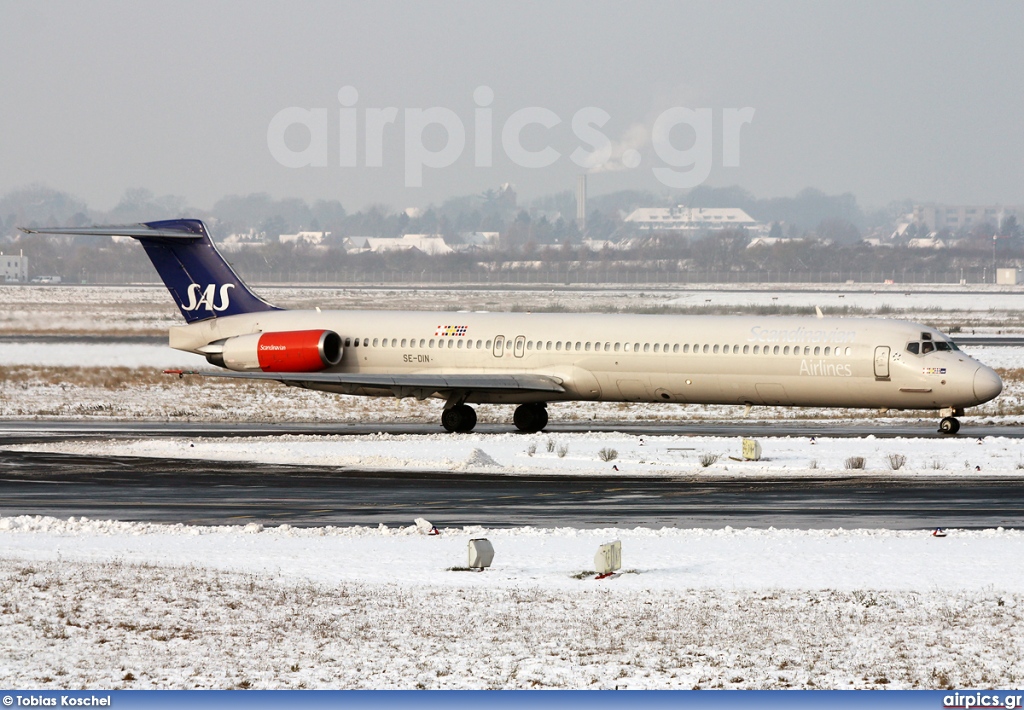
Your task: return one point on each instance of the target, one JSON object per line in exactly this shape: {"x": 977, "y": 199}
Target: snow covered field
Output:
{"x": 148, "y": 309}
{"x": 126, "y": 354}
{"x": 118, "y": 605}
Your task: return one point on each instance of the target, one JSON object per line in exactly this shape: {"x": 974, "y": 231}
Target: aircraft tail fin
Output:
{"x": 201, "y": 282}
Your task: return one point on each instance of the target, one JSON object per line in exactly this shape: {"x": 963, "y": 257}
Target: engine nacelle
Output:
{"x": 285, "y": 351}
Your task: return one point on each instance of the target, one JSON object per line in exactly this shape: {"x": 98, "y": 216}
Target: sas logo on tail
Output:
{"x": 204, "y": 298}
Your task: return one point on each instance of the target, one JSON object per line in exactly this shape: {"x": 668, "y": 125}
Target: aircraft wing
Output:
{"x": 420, "y": 386}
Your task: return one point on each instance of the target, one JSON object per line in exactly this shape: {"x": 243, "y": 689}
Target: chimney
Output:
{"x": 581, "y": 203}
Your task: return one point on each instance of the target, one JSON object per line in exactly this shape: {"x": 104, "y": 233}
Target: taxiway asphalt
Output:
{"x": 226, "y": 493}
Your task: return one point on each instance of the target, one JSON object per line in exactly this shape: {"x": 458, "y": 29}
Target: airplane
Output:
{"x": 531, "y": 359}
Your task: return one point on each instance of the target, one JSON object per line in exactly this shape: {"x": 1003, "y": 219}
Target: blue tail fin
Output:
{"x": 201, "y": 282}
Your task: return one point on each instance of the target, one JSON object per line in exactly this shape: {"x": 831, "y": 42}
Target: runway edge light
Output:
{"x": 608, "y": 558}
{"x": 481, "y": 553}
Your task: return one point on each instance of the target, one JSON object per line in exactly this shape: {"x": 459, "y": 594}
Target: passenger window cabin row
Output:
{"x": 590, "y": 346}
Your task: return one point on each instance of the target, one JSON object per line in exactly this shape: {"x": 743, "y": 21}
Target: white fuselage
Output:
{"x": 786, "y": 361}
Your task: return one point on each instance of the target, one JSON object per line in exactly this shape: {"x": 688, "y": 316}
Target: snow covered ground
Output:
{"x": 101, "y": 604}
{"x": 886, "y": 300}
{"x": 149, "y": 309}
{"x": 125, "y": 354}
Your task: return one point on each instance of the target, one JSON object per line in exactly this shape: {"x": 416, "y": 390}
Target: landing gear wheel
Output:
{"x": 459, "y": 419}
{"x": 949, "y": 425}
{"x": 468, "y": 419}
{"x": 530, "y": 418}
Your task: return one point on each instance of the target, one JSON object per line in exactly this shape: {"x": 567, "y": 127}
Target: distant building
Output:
{"x": 13, "y": 269}
{"x": 877, "y": 242}
{"x": 900, "y": 232}
{"x": 691, "y": 219}
{"x": 242, "y": 240}
{"x": 432, "y": 244}
{"x": 953, "y": 217}
{"x": 602, "y": 244}
{"x": 477, "y": 241}
{"x": 308, "y": 237}
{"x": 768, "y": 241}
{"x": 927, "y": 243}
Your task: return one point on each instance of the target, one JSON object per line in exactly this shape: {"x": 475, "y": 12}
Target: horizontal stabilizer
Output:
{"x": 138, "y": 231}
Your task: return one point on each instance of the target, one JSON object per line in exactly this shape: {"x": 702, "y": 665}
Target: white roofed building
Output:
{"x": 238, "y": 241}
{"x": 768, "y": 241}
{"x": 308, "y": 237}
{"x": 432, "y": 244}
{"x": 477, "y": 241}
{"x": 930, "y": 242}
{"x": 691, "y": 219}
{"x": 602, "y": 244}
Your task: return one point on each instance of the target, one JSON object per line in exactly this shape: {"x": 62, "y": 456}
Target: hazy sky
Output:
{"x": 883, "y": 99}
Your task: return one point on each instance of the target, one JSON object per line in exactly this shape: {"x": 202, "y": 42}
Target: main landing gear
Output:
{"x": 459, "y": 419}
{"x": 530, "y": 418}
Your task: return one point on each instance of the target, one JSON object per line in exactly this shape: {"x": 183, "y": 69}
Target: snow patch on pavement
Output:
{"x": 581, "y": 454}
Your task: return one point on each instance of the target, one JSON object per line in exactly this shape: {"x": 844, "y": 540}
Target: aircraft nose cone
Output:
{"x": 986, "y": 384}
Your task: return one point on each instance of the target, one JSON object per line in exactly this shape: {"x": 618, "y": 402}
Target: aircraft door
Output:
{"x": 520, "y": 346}
{"x": 882, "y": 362}
{"x": 499, "y": 346}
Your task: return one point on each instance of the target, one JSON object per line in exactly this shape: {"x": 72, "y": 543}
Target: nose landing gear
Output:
{"x": 949, "y": 425}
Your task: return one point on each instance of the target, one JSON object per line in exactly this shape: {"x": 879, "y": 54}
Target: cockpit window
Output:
{"x": 928, "y": 346}
{"x": 926, "y": 336}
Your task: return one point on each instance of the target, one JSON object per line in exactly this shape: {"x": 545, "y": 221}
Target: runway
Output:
{"x": 227, "y": 493}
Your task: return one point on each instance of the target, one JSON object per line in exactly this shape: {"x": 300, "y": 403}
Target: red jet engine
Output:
{"x": 285, "y": 351}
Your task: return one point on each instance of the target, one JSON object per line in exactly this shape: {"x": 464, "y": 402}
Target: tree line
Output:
{"x": 531, "y": 236}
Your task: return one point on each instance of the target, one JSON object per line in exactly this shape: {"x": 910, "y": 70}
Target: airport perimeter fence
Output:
{"x": 580, "y": 277}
